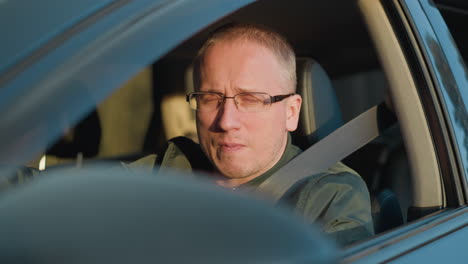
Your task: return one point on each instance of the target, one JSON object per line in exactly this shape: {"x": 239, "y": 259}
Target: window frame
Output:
{"x": 407, "y": 19}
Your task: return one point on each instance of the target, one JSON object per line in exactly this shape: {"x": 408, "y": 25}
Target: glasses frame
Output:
{"x": 273, "y": 99}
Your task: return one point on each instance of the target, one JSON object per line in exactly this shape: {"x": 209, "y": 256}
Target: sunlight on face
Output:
{"x": 241, "y": 145}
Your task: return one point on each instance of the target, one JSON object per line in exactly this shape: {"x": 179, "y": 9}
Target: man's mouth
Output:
{"x": 230, "y": 147}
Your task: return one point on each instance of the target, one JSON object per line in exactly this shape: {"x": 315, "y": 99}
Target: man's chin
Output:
{"x": 234, "y": 171}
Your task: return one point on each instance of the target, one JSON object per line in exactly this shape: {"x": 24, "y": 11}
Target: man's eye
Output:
{"x": 208, "y": 99}
{"x": 251, "y": 99}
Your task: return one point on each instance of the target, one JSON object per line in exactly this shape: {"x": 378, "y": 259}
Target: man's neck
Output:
{"x": 234, "y": 183}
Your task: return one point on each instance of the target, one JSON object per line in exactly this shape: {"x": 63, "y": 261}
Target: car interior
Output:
{"x": 339, "y": 77}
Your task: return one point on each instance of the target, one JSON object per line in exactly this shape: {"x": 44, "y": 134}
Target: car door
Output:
{"x": 415, "y": 32}
{"x": 107, "y": 46}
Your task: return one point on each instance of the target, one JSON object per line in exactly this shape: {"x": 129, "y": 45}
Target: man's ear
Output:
{"x": 293, "y": 110}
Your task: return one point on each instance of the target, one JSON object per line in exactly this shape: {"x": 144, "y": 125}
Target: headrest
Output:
{"x": 320, "y": 112}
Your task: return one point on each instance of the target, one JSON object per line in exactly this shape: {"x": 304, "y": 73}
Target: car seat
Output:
{"x": 320, "y": 115}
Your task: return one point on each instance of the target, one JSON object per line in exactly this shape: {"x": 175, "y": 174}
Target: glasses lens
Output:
{"x": 205, "y": 102}
{"x": 252, "y": 102}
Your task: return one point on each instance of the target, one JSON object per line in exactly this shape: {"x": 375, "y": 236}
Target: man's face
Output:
{"x": 241, "y": 145}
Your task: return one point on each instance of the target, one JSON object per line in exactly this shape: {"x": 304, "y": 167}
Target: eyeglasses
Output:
{"x": 245, "y": 102}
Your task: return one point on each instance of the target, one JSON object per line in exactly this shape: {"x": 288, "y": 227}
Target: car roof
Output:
{"x": 316, "y": 29}
{"x": 36, "y": 22}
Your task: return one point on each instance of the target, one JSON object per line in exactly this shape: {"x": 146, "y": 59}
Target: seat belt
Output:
{"x": 327, "y": 152}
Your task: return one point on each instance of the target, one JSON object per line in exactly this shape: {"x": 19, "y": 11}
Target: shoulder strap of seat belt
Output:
{"x": 327, "y": 152}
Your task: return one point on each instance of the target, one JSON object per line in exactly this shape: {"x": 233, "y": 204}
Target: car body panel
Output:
{"x": 28, "y": 37}
{"x": 448, "y": 248}
{"x": 391, "y": 246}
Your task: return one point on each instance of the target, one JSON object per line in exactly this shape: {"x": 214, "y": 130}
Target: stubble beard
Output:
{"x": 250, "y": 167}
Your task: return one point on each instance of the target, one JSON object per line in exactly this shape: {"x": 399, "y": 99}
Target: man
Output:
{"x": 245, "y": 102}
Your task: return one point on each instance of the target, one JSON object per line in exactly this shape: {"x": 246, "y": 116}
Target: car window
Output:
{"x": 138, "y": 118}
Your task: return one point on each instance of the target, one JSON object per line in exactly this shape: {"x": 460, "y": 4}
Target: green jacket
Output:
{"x": 337, "y": 199}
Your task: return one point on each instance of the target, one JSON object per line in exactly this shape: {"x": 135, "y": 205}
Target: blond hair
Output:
{"x": 266, "y": 37}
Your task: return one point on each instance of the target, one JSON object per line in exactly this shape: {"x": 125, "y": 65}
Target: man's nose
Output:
{"x": 229, "y": 115}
